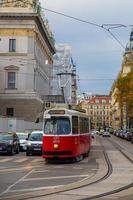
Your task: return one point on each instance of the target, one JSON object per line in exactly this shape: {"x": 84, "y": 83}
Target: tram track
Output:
{"x": 110, "y": 170}
{"x": 80, "y": 184}
{"x": 125, "y": 154}
{"x": 122, "y": 150}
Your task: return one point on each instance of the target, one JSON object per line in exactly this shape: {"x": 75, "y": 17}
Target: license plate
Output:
{"x": 37, "y": 149}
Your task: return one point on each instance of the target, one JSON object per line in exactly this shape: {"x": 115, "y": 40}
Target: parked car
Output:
{"x": 117, "y": 133}
{"x": 23, "y": 140}
{"x": 129, "y": 135}
{"x": 34, "y": 143}
{"x": 121, "y": 133}
{"x": 106, "y": 134}
{"x": 9, "y": 143}
{"x": 97, "y": 132}
{"x": 93, "y": 134}
{"x": 125, "y": 135}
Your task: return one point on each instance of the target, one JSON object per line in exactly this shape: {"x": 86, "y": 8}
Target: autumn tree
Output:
{"x": 124, "y": 94}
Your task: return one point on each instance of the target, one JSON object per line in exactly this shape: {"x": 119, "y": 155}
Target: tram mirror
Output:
{"x": 47, "y": 116}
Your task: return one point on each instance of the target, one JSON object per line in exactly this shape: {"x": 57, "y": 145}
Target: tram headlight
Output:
{"x": 56, "y": 146}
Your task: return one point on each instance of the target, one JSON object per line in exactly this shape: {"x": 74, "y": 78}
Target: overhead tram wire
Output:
{"x": 71, "y": 17}
{"x": 79, "y": 79}
{"x": 83, "y": 21}
{"x": 93, "y": 24}
{"x": 25, "y": 61}
{"x": 96, "y": 79}
{"x": 108, "y": 27}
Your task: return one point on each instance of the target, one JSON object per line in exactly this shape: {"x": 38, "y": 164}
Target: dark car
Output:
{"x": 9, "y": 143}
{"x": 34, "y": 143}
{"x": 131, "y": 135}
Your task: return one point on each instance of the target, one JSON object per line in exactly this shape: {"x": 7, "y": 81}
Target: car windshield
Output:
{"x": 57, "y": 126}
{"x": 22, "y": 136}
{"x": 35, "y": 137}
{"x": 5, "y": 137}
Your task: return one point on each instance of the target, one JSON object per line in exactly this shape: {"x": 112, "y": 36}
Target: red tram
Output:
{"x": 66, "y": 134}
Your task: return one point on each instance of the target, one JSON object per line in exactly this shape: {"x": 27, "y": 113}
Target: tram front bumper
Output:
{"x": 60, "y": 154}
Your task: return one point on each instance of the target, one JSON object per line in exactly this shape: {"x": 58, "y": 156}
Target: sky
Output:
{"x": 98, "y": 56}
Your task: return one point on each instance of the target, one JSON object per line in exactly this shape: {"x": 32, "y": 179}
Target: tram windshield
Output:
{"x": 57, "y": 126}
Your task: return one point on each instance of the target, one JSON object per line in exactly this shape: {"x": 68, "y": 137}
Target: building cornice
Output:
{"x": 13, "y": 54}
{"x": 11, "y": 67}
{"x": 39, "y": 21}
{"x": 19, "y": 96}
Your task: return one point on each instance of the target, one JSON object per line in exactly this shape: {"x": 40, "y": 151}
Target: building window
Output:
{"x": 96, "y": 101}
{"x": 11, "y": 80}
{"x": 103, "y": 101}
{"x": 10, "y": 112}
{"x": 12, "y": 45}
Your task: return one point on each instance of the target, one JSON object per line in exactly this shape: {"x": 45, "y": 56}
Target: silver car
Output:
{"x": 34, "y": 143}
{"x": 23, "y": 140}
{"x": 106, "y": 134}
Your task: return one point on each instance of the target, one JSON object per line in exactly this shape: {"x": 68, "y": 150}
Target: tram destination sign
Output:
{"x": 56, "y": 112}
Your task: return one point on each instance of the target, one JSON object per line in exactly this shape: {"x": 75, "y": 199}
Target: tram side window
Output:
{"x": 86, "y": 121}
{"x": 74, "y": 125}
{"x": 81, "y": 125}
{"x": 84, "y": 125}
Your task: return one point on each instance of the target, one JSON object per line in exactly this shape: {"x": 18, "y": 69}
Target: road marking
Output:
{"x": 35, "y": 189}
{"x": 40, "y": 171}
{"x": 9, "y": 170}
{"x": 58, "y": 167}
{"x": 36, "y": 160}
{"x": 19, "y": 180}
{"x": 3, "y": 167}
{"x": 6, "y": 160}
{"x": 77, "y": 168}
{"x": 95, "y": 150}
{"x": 54, "y": 177}
{"x": 20, "y": 160}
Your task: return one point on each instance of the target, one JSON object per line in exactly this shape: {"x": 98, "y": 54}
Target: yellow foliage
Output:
{"x": 124, "y": 94}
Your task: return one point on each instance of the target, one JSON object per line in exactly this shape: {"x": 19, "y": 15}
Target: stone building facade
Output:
{"x": 99, "y": 110}
{"x": 119, "y": 117}
{"x": 26, "y": 57}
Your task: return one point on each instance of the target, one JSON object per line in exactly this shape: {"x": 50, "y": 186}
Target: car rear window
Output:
{"x": 35, "y": 137}
{"x": 5, "y": 137}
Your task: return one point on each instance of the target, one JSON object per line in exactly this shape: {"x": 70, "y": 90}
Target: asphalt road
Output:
{"x": 20, "y": 174}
